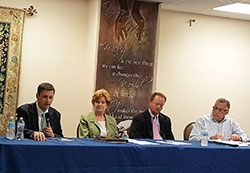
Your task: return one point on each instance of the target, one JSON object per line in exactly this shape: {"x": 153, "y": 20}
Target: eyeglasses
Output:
{"x": 158, "y": 104}
{"x": 219, "y": 109}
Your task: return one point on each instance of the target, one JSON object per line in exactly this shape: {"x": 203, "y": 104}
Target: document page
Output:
{"x": 142, "y": 142}
{"x": 231, "y": 143}
{"x": 174, "y": 142}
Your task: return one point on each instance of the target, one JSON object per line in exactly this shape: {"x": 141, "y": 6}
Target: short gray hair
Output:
{"x": 223, "y": 100}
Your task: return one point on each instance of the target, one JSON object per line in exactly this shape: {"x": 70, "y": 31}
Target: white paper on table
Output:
{"x": 231, "y": 143}
{"x": 174, "y": 142}
{"x": 142, "y": 142}
{"x": 66, "y": 140}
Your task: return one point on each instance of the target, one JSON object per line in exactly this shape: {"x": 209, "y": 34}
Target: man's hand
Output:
{"x": 235, "y": 137}
{"x": 39, "y": 136}
{"x": 218, "y": 137}
{"x": 48, "y": 132}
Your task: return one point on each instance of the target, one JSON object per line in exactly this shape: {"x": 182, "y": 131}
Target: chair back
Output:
{"x": 187, "y": 130}
{"x": 77, "y": 130}
{"x": 124, "y": 126}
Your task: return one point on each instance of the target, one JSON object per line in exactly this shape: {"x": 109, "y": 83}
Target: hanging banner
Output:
{"x": 126, "y": 55}
{"x": 11, "y": 33}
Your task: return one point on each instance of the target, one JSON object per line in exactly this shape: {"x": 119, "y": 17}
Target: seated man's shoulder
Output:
{"x": 166, "y": 117}
{"x": 54, "y": 110}
{"x": 140, "y": 115}
{"x": 205, "y": 117}
{"x": 230, "y": 119}
{"x": 26, "y": 106}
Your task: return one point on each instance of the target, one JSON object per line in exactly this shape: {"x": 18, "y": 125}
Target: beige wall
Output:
{"x": 195, "y": 65}
{"x": 198, "y": 64}
{"x": 59, "y": 46}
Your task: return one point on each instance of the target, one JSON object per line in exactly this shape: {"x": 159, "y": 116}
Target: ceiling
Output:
{"x": 203, "y": 7}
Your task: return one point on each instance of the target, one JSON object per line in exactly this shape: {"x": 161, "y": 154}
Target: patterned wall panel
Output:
{"x": 11, "y": 32}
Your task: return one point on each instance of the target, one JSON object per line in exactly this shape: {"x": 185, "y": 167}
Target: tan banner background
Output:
{"x": 126, "y": 55}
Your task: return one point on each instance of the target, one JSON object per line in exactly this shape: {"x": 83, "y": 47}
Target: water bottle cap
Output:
{"x": 204, "y": 133}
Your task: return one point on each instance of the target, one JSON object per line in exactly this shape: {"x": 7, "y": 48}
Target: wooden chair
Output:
{"x": 187, "y": 130}
{"x": 77, "y": 130}
{"x": 124, "y": 126}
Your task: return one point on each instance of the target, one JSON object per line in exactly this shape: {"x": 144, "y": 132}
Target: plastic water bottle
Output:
{"x": 11, "y": 129}
{"x": 20, "y": 129}
{"x": 204, "y": 138}
{"x": 125, "y": 135}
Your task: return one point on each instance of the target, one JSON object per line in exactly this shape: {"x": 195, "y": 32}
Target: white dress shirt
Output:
{"x": 40, "y": 114}
{"x": 226, "y": 127}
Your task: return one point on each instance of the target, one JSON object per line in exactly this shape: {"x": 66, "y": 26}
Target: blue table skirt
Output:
{"x": 88, "y": 155}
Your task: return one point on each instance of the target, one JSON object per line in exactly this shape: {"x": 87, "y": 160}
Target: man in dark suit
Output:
{"x": 40, "y": 119}
{"x": 151, "y": 123}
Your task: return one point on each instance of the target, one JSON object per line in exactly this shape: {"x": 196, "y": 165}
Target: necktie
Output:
{"x": 43, "y": 121}
{"x": 156, "y": 129}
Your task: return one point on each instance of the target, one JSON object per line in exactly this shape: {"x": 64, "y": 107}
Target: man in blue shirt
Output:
{"x": 218, "y": 125}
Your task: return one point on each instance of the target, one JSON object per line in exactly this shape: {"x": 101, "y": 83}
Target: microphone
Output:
{"x": 47, "y": 119}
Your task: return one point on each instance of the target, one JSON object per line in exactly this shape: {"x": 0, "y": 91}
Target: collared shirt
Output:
{"x": 226, "y": 127}
{"x": 40, "y": 114}
{"x": 157, "y": 120}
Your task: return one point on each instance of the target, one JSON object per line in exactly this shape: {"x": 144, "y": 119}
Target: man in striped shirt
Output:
{"x": 218, "y": 125}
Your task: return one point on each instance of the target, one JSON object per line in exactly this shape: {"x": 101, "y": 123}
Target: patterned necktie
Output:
{"x": 156, "y": 129}
{"x": 43, "y": 121}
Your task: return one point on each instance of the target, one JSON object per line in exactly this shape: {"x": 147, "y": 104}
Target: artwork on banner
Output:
{"x": 126, "y": 55}
{"x": 11, "y": 32}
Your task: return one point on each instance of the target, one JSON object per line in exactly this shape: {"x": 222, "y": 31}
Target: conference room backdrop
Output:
{"x": 126, "y": 55}
{"x": 194, "y": 65}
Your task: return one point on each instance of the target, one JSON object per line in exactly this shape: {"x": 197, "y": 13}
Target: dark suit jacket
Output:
{"x": 141, "y": 126}
{"x": 30, "y": 117}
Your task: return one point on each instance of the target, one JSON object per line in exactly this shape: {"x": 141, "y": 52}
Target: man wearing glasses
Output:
{"x": 218, "y": 125}
{"x": 152, "y": 124}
